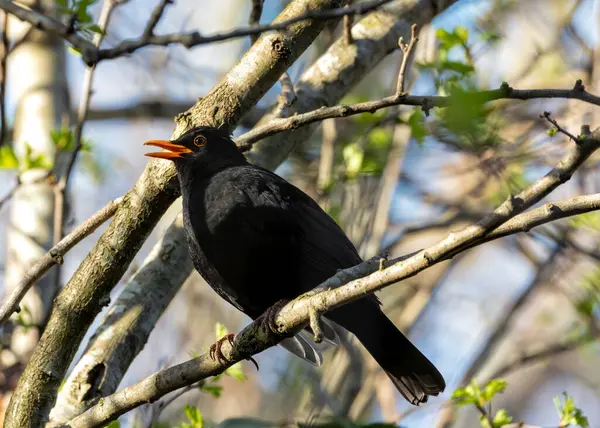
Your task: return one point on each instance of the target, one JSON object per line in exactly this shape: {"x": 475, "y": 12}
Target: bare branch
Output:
{"x": 407, "y": 51}
{"x": 61, "y": 188}
{"x": 348, "y": 21}
{"x": 195, "y": 38}
{"x": 547, "y": 116}
{"x": 254, "y": 18}
{"x": 155, "y": 17}
{"x": 275, "y": 126}
{"x": 346, "y": 286}
{"x": 3, "y": 59}
{"x": 54, "y": 257}
{"x": 10, "y": 193}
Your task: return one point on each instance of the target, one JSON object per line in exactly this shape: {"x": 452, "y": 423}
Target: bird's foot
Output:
{"x": 268, "y": 317}
{"x": 216, "y": 354}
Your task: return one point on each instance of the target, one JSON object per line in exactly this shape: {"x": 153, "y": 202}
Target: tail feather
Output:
{"x": 415, "y": 377}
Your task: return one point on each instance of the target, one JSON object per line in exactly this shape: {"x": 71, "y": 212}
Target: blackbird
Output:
{"x": 257, "y": 239}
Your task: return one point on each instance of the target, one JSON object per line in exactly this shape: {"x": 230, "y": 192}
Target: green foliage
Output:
{"x": 569, "y": 414}
{"x": 246, "y": 423}
{"x": 24, "y": 318}
{"x": 8, "y": 159}
{"x": 194, "y": 416}
{"x": 475, "y": 395}
{"x": 416, "y": 122}
{"x": 113, "y": 424}
{"x": 552, "y": 132}
{"x": 589, "y": 220}
{"x": 78, "y": 12}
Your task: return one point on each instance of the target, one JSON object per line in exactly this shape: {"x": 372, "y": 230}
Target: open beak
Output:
{"x": 174, "y": 150}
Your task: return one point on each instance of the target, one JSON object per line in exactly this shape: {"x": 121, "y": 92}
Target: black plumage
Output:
{"x": 257, "y": 239}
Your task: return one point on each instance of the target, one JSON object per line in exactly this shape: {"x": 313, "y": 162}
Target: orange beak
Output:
{"x": 174, "y": 150}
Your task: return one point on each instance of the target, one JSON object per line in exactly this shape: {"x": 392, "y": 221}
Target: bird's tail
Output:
{"x": 411, "y": 372}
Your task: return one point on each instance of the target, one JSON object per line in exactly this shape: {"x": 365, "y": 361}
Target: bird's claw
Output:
{"x": 215, "y": 352}
{"x": 268, "y": 317}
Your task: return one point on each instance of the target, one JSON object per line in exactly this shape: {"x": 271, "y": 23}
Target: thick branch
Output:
{"x": 88, "y": 290}
{"x": 54, "y": 257}
{"x": 346, "y": 286}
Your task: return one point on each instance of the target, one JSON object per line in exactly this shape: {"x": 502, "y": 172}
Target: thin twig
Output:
{"x": 346, "y": 286}
{"x": 155, "y": 17}
{"x": 275, "y": 126}
{"x": 54, "y": 257}
{"x": 3, "y": 59}
{"x": 407, "y": 51}
{"x": 254, "y": 18}
{"x": 84, "y": 104}
{"x": 348, "y": 21}
{"x": 195, "y": 38}
{"x": 10, "y": 193}
{"x": 287, "y": 97}
{"x": 547, "y": 116}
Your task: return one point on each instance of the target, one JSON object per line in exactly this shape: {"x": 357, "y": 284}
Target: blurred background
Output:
{"x": 394, "y": 180}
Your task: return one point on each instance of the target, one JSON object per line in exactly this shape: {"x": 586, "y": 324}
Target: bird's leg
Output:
{"x": 215, "y": 349}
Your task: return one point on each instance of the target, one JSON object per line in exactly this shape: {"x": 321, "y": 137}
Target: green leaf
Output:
{"x": 416, "y": 121}
{"x": 113, "y": 424}
{"x": 63, "y": 138}
{"x": 195, "y": 416}
{"x": 221, "y": 330}
{"x": 246, "y": 423}
{"x": 457, "y": 66}
{"x": 62, "y": 3}
{"x": 96, "y": 29}
{"x": 214, "y": 390}
{"x": 353, "y": 157}
{"x": 32, "y": 161}
{"x": 569, "y": 414}
{"x": 492, "y": 388}
{"x": 380, "y": 137}
{"x": 501, "y": 418}
{"x": 8, "y": 159}
{"x": 237, "y": 372}
{"x": 448, "y": 40}
{"x": 462, "y": 33}
{"x": 74, "y": 50}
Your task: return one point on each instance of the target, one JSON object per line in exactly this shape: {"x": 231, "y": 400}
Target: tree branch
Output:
{"x": 54, "y": 257}
{"x": 276, "y": 126}
{"x": 346, "y": 286}
{"x": 192, "y": 39}
{"x": 92, "y": 55}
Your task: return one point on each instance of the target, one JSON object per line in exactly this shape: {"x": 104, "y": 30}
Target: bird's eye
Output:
{"x": 200, "y": 141}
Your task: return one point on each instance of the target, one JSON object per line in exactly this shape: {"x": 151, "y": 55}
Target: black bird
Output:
{"x": 257, "y": 239}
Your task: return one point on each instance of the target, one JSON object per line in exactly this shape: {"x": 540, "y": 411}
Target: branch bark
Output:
{"x": 344, "y": 287}
{"x": 89, "y": 288}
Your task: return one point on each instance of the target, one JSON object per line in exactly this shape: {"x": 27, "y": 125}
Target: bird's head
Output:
{"x": 204, "y": 147}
